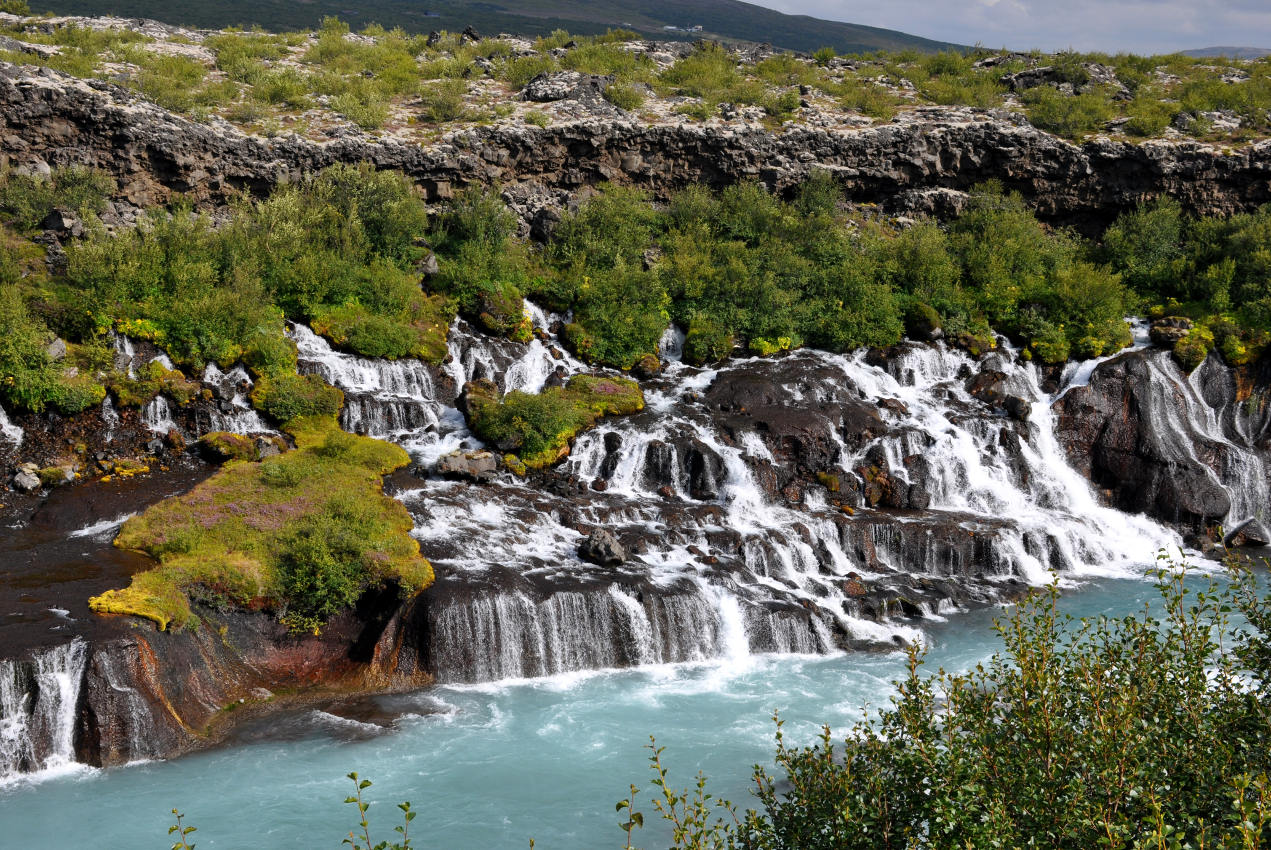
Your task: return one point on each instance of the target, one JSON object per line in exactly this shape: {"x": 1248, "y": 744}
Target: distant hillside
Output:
{"x": 728, "y": 19}
{"x": 1229, "y": 52}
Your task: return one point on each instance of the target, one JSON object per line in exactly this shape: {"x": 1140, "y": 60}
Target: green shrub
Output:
{"x": 364, "y": 109}
{"x": 519, "y": 71}
{"x": 625, "y": 96}
{"x": 27, "y": 200}
{"x": 539, "y": 427}
{"x": 29, "y": 379}
{"x": 707, "y": 342}
{"x": 1067, "y": 115}
{"x": 823, "y": 55}
{"x": 443, "y": 101}
{"x": 624, "y": 310}
{"x": 289, "y": 397}
{"x": 1149, "y": 117}
{"x": 1147, "y": 730}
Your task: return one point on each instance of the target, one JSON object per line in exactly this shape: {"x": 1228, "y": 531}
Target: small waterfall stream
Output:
{"x": 39, "y": 701}
{"x": 9, "y": 431}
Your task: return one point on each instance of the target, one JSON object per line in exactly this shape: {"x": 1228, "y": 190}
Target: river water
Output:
{"x": 493, "y": 765}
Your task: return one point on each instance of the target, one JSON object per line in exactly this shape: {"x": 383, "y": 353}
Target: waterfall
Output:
{"x": 1186, "y": 419}
{"x": 236, "y": 414}
{"x": 157, "y": 415}
{"x": 39, "y": 701}
{"x": 513, "y": 636}
{"x": 8, "y": 431}
{"x": 110, "y": 418}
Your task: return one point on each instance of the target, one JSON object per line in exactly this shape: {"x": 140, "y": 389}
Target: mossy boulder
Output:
{"x": 289, "y": 397}
{"x": 153, "y": 380}
{"x": 922, "y": 323}
{"x": 1191, "y": 350}
{"x": 538, "y": 428}
{"x": 223, "y": 446}
{"x": 302, "y": 534}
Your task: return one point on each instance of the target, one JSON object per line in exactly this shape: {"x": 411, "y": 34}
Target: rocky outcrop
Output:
{"x": 1187, "y": 449}
{"x": 48, "y": 118}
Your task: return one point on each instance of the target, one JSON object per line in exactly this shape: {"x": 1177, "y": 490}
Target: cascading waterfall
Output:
{"x": 1187, "y": 420}
{"x": 1030, "y": 513}
{"x": 157, "y": 415}
{"x": 39, "y": 699}
{"x": 8, "y": 431}
{"x": 234, "y": 414}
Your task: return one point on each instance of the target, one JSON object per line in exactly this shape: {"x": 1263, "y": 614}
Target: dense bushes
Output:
{"x": 744, "y": 267}
{"x": 1214, "y": 271}
{"x": 1149, "y": 730}
{"x": 337, "y": 250}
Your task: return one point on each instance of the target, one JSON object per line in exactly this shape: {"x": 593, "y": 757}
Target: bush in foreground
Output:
{"x": 1149, "y": 730}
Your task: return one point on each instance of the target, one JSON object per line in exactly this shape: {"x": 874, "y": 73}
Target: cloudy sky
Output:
{"x": 1141, "y": 26}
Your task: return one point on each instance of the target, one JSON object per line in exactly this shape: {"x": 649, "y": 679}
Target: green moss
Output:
{"x": 921, "y": 321}
{"x": 224, "y": 446}
{"x": 419, "y": 331}
{"x": 302, "y": 534}
{"x": 768, "y": 347}
{"x": 828, "y": 481}
{"x": 290, "y": 397}
{"x": 1191, "y": 350}
{"x": 155, "y": 379}
{"x": 539, "y": 428}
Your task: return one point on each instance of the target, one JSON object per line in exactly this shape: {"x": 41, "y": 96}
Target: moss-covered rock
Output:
{"x": 1191, "y": 350}
{"x": 154, "y": 379}
{"x": 223, "y": 446}
{"x": 922, "y": 323}
{"x": 538, "y": 428}
{"x": 289, "y": 397}
{"x": 302, "y": 534}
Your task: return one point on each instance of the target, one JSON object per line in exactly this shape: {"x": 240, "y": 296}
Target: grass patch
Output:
{"x": 303, "y": 535}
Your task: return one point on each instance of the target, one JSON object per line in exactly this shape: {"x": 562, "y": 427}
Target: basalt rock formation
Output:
{"x": 911, "y": 164}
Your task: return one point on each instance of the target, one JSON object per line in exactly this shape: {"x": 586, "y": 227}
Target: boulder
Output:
{"x": 552, "y": 86}
{"x": 27, "y": 482}
{"x": 1168, "y": 331}
{"x": 56, "y": 350}
{"x": 601, "y": 547}
{"x": 471, "y": 466}
{"x": 989, "y": 386}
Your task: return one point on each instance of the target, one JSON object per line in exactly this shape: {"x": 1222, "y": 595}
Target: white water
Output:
{"x": 241, "y": 418}
{"x": 9, "y": 431}
{"x": 38, "y": 710}
{"x": 157, "y": 415}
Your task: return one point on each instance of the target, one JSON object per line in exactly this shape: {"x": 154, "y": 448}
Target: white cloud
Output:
{"x": 1143, "y": 26}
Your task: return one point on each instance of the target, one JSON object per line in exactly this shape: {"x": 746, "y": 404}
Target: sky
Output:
{"x": 1138, "y": 26}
